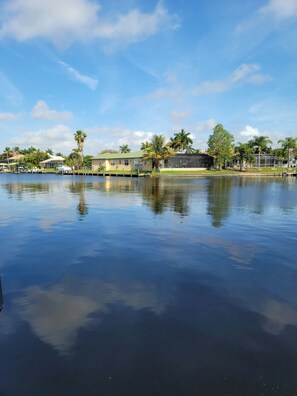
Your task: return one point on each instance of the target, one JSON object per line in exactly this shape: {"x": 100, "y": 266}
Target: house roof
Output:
{"x": 53, "y": 158}
{"x": 107, "y": 156}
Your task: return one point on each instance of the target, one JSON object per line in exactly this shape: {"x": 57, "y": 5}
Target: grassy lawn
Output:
{"x": 199, "y": 172}
{"x": 268, "y": 170}
{"x": 227, "y": 171}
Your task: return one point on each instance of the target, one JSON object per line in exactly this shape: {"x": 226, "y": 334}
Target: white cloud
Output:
{"x": 135, "y": 25}
{"x": 90, "y": 82}
{"x": 67, "y": 21}
{"x": 249, "y": 131}
{"x": 58, "y": 138}
{"x": 245, "y": 73}
{"x": 57, "y": 314}
{"x": 280, "y": 9}
{"x": 113, "y": 137}
{"x": 8, "y": 116}
{"x": 41, "y": 111}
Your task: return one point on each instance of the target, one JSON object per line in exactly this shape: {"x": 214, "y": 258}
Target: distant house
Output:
{"x": 52, "y": 162}
{"x": 121, "y": 161}
{"x": 134, "y": 161}
{"x": 15, "y": 158}
{"x": 188, "y": 162}
{"x": 266, "y": 161}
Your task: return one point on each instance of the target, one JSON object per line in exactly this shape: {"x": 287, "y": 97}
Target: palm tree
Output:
{"x": 80, "y": 137}
{"x": 261, "y": 143}
{"x": 74, "y": 159}
{"x": 125, "y": 148}
{"x": 182, "y": 141}
{"x": 145, "y": 145}
{"x": 288, "y": 144}
{"x": 244, "y": 153}
{"x": 7, "y": 151}
{"x": 158, "y": 151}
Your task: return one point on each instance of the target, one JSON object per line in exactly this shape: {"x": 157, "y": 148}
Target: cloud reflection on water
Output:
{"x": 58, "y": 313}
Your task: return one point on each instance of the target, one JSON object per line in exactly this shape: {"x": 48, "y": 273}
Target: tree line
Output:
{"x": 220, "y": 146}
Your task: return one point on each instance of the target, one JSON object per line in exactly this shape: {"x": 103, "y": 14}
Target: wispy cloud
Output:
{"x": 266, "y": 18}
{"x": 90, "y": 82}
{"x": 41, "y": 111}
{"x": 244, "y": 74}
{"x": 279, "y": 9}
{"x": 65, "y": 22}
{"x": 179, "y": 116}
{"x": 8, "y": 116}
{"x": 205, "y": 126}
{"x": 9, "y": 91}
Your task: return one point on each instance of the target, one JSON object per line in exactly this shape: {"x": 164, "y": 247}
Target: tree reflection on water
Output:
{"x": 219, "y": 197}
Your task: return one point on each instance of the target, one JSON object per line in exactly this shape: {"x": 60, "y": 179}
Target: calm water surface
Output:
{"x": 119, "y": 286}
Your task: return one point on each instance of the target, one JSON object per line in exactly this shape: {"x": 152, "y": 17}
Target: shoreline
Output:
{"x": 166, "y": 175}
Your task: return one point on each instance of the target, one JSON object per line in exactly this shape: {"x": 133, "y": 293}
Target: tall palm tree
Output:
{"x": 80, "y": 137}
{"x": 125, "y": 148}
{"x": 182, "y": 141}
{"x": 7, "y": 151}
{"x": 288, "y": 144}
{"x": 158, "y": 151}
{"x": 261, "y": 144}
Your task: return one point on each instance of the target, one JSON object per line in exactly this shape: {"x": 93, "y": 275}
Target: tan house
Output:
{"x": 121, "y": 162}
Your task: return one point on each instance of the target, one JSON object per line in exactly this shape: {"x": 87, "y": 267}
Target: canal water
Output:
{"x": 174, "y": 286}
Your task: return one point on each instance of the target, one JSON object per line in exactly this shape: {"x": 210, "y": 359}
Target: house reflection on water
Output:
{"x": 1, "y": 296}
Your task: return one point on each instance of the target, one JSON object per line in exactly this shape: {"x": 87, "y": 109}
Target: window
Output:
{"x": 112, "y": 163}
{"x": 120, "y": 162}
{"x": 126, "y": 162}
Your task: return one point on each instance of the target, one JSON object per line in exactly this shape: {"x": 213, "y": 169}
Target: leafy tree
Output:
{"x": 260, "y": 143}
{"x": 288, "y": 144}
{"x": 29, "y": 150}
{"x": 182, "y": 142}
{"x": 220, "y": 145}
{"x": 279, "y": 153}
{"x": 59, "y": 154}
{"x": 80, "y": 137}
{"x": 125, "y": 148}
{"x": 35, "y": 157}
{"x": 158, "y": 151}
{"x": 16, "y": 149}
{"x": 49, "y": 151}
{"x": 196, "y": 151}
{"x": 88, "y": 161}
{"x": 244, "y": 153}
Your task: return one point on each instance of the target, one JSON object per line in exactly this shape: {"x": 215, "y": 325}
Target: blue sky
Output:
{"x": 122, "y": 70}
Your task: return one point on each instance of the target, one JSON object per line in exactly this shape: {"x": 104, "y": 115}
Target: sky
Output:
{"x": 122, "y": 70}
